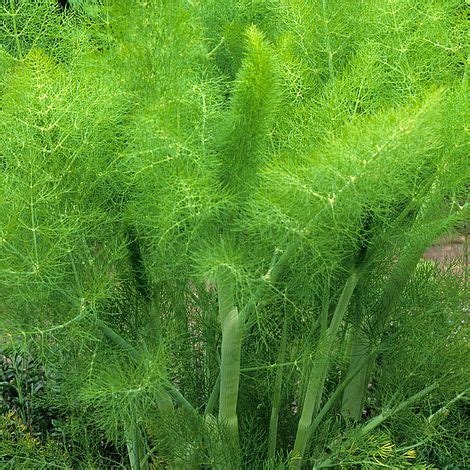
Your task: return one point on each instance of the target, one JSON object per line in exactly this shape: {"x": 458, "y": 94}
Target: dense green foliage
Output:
{"x": 212, "y": 219}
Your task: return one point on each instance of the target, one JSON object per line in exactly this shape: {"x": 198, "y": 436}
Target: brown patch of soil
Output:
{"x": 450, "y": 252}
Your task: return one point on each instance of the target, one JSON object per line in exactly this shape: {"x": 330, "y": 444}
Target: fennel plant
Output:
{"x": 212, "y": 218}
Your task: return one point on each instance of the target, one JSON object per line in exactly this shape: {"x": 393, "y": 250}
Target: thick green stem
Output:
{"x": 179, "y": 398}
{"x": 273, "y": 423}
{"x": 403, "y": 270}
{"x": 230, "y": 371}
{"x": 119, "y": 341}
{"x": 343, "y": 303}
{"x": 325, "y": 308}
{"x": 233, "y": 327}
{"x": 135, "y": 449}
{"x": 350, "y": 333}
{"x": 232, "y": 336}
{"x": 319, "y": 372}
{"x": 334, "y": 396}
{"x": 354, "y": 393}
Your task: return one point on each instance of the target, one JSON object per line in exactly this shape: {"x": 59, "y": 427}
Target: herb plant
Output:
{"x": 212, "y": 219}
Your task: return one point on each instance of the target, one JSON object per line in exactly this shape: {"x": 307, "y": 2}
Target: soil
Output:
{"x": 450, "y": 252}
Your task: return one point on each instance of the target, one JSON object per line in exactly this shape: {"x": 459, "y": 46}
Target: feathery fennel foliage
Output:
{"x": 212, "y": 218}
